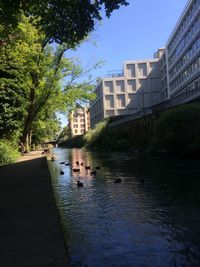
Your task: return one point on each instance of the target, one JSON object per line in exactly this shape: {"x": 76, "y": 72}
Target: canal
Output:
{"x": 151, "y": 218}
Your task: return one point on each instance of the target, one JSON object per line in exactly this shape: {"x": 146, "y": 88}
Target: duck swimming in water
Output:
{"x": 117, "y": 180}
{"x": 79, "y": 184}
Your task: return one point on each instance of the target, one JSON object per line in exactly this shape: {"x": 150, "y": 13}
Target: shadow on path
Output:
{"x": 30, "y": 231}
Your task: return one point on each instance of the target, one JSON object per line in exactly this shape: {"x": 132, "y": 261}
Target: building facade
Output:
{"x": 172, "y": 77}
{"x": 79, "y": 121}
{"x": 183, "y": 56}
{"x": 137, "y": 87}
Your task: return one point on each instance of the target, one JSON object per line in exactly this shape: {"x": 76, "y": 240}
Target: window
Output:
{"x": 120, "y": 86}
{"x": 109, "y": 101}
{"x": 130, "y": 97}
{"x": 131, "y": 85}
{"x": 75, "y": 126}
{"x": 109, "y": 86}
{"x": 131, "y": 70}
{"x": 109, "y": 112}
{"x": 120, "y": 101}
{"x": 142, "y": 67}
{"x": 142, "y": 83}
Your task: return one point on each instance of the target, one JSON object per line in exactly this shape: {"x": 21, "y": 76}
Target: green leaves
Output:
{"x": 63, "y": 21}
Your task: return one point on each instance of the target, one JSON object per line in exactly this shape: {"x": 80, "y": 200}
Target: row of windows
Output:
{"x": 76, "y": 125}
{"x": 184, "y": 24}
{"x": 76, "y": 120}
{"x": 186, "y": 57}
{"x": 191, "y": 70}
{"x": 120, "y": 100}
{"x": 76, "y": 131}
{"x": 76, "y": 115}
{"x": 185, "y": 40}
{"x": 120, "y": 86}
{"x": 188, "y": 91}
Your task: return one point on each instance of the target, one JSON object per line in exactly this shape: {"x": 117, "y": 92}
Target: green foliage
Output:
{"x": 94, "y": 136}
{"x": 68, "y": 21}
{"x": 36, "y": 81}
{"x": 64, "y": 134}
{"x": 178, "y": 129}
{"x": 8, "y": 153}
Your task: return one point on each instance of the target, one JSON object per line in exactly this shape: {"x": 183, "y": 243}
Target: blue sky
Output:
{"x": 132, "y": 32}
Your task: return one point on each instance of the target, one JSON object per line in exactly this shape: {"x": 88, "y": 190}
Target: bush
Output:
{"x": 178, "y": 129}
{"x": 8, "y": 153}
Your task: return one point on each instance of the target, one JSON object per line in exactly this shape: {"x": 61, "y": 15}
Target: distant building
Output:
{"x": 136, "y": 88}
{"x": 79, "y": 121}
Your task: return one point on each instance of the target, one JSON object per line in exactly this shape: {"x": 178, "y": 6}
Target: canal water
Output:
{"x": 151, "y": 218}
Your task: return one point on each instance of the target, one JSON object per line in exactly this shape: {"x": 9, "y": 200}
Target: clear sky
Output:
{"x": 132, "y": 32}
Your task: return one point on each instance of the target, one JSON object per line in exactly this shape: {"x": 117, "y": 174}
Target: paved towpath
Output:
{"x": 30, "y": 231}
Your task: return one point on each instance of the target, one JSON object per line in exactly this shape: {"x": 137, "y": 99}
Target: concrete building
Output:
{"x": 171, "y": 78}
{"x": 79, "y": 121}
{"x": 183, "y": 56}
{"x": 135, "y": 88}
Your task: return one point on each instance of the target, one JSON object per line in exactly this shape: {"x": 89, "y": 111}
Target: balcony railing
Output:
{"x": 115, "y": 73}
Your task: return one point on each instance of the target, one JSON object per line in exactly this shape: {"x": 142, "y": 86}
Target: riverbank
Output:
{"x": 30, "y": 229}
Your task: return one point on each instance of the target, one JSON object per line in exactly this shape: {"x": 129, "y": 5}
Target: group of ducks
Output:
{"x": 87, "y": 168}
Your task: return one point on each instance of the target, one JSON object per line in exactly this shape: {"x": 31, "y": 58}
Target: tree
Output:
{"x": 63, "y": 21}
{"x": 46, "y": 84}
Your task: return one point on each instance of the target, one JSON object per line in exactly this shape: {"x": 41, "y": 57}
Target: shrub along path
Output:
{"x": 30, "y": 231}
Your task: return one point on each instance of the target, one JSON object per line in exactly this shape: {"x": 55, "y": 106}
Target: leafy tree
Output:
{"x": 68, "y": 21}
{"x": 44, "y": 81}
{"x": 64, "y": 134}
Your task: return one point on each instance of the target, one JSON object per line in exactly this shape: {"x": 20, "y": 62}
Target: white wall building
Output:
{"x": 138, "y": 87}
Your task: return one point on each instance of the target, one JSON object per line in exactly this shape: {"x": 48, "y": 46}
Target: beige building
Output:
{"x": 79, "y": 121}
{"x": 136, "y": 88}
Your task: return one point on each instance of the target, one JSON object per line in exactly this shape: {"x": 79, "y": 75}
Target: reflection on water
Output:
{"x": 151, "y": 218}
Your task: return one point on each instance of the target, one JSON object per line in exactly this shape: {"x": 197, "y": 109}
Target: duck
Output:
{"x": 117, "y": 180}
{"x": 62, "y": 172}
{"x": 76, "y": 170}
{"x": 97, "y": 167}
{"x": 93, "y": 173}
{"x": 79, "y": 184}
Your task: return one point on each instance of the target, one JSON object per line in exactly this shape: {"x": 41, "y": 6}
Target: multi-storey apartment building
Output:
{"x": 79, "y": 121}
{"x": 183, "y": 55}
{"x": 136, "y": 88}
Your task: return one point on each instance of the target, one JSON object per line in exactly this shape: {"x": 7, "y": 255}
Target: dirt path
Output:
{"x": 30, "y": 231}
